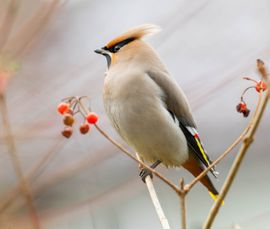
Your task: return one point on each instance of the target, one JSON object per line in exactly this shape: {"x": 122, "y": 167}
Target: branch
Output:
{"x": 182, "y": 197}
{"x": 16, "y": 162}
{"x": 229, "y": 149}
{"x": 8, "y": 22}
{"x": 68, "y": 171}
{"x": 150, "y": 186}
{"x": 31, "y": 29}
{"x": 125, "y": 151}
{"x": 30, "y": 175}
{"x": 242, "y": 151}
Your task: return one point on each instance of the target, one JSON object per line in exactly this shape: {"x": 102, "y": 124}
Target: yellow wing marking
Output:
{"x": 202, "y": 150}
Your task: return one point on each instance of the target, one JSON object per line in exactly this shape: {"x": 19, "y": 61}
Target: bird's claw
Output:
{"x": 144, "y": 173}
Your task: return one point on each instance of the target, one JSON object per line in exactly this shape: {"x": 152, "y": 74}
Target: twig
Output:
{"x": 8, "y": 22}
{"x": 16, "y": 163}
{"x": 30, "y": 175}
{"x": 182, "y": 197}
{"x": 262, "y": 69}
{"x": 125, "y": 151}
{"x": 31, "y": 29}
{"x": 150, "y": 186}
{"x": 230, "y": 148}
{"x": 69, "y": 171}
{"x": 242, "y": 151}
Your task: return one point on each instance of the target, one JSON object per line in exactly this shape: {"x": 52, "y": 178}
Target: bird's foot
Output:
{"x": 144, "y": 173}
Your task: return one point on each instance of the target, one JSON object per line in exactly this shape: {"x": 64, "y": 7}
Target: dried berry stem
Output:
{"x": 82, "y": 108}
{"x": 244, "y": 92}
{"x": 248, "y": 78}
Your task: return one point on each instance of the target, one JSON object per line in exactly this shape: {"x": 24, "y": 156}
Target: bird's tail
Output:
{"x": 195, "y": 168}
{"x": 215, "y": 196}
{"x": 211, "y": 188}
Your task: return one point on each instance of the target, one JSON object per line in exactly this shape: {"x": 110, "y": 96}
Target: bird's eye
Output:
{"x": 116, "y": 48}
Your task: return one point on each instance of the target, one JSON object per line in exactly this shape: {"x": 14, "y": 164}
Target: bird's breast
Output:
{"x": 134, "y": 105}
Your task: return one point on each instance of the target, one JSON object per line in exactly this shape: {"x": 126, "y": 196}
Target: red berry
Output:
{"x": 84, "y": 128}
{"x": 246, "y": 113}
{"x": 92, "y": 118}
{"x": 63, "y": 107}
{"x": 261, "y": 86}
{"x": 241, "y": 107}
{"x": 67, "y": 132}
{"x": 68, "y": 119}
{"x": 238, "y": 107}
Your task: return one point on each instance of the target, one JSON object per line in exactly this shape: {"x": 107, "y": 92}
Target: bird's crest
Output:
{"x": 135, "y": 33}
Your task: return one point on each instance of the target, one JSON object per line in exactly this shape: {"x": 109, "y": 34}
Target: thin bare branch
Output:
{"x": 126, "y": 152}
{"x": 182, "y": 197}
{"x": 70, "y": 170}
{"x": 30, "y": 175}
{"x": 242, "y": 151}
{"x": 229, "y": 149}
{"x": 8, "y": 22}
{"x": 150, "y": 186}
{"x": 262, "y": 70}
{"x": 16, "y": 163}
{"x": 29, "y": 31}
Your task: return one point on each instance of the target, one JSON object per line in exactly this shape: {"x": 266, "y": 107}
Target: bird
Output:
{"x": 148, "y": 108}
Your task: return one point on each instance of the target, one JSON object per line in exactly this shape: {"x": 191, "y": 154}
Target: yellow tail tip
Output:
{"x": 214, "y": 197}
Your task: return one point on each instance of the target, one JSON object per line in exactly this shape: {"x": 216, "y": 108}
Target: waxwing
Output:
{"x": 147, "y": 107}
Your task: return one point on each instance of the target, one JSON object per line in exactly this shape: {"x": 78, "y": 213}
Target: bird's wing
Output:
{"x": 178, "y": 107}
{"x": 195, "y": 144}
{"x": 173, "y": 98}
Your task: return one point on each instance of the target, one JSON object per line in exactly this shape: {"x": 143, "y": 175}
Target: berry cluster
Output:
{"x": 69, "y": 107}
{"x": 259, "y": 86}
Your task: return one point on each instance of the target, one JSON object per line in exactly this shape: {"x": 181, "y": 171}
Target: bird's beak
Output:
{"x": 98, "y": 51}
{"x": 105, "y": 53}
{"x": 101, "y": 51}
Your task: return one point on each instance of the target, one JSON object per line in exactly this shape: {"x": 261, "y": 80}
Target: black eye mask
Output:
{"x": 118, "y": 46}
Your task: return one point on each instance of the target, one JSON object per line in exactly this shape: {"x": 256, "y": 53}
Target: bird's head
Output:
{"x": 127, "y": 45}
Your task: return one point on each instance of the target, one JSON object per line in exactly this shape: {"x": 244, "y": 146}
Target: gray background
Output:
{"x": 208, "y": 46}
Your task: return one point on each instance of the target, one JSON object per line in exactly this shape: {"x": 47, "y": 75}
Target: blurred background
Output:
{"x": 46, "y": 54}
